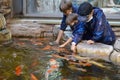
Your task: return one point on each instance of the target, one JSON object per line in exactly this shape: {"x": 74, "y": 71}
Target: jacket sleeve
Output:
{"x": 63, "y": 23}
{"x": 78, "y": 33}
{"x": 99, "y": 27}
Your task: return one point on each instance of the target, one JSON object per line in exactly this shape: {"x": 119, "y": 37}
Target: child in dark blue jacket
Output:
{"x": 71, "y": 20}
{"x": 67, "y": 8}
{"x": 93, "y": 27}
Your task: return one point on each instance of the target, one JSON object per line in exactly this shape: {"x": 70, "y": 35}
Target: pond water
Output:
{"x": 28, "y": 59}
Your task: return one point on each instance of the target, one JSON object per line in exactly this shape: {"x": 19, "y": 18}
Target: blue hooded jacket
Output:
{"x": 63, "y": 23}
{"x": 98, "y": 29}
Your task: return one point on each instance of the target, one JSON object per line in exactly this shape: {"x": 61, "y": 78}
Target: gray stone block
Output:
{"x": 96, "y": 50}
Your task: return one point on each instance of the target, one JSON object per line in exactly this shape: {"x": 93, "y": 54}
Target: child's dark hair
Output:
{"x": 71, "y": 17}
{"x": 65, "y": 5}
{"x": 85, "y": 9}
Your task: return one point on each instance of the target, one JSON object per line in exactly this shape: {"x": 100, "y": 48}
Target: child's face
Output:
{"x": 68, "y": 12}
{"x": 73, "y": 23}
{"x": 89, "y": 17}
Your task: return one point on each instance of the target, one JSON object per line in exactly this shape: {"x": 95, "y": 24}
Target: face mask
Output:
{"x": 90, "y": 19}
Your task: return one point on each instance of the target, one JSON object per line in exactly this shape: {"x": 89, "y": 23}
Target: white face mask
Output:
{"x": 90, "y": 19}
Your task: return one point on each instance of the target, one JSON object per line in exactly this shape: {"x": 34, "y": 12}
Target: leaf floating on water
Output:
{"x": 64, "y": 79}
{"x": 35, "y": 63}
{"x": 49, "y": 71}
{"x": 37, "y": 43}
{"x": 63, "y": 50}
{"x": 47, "y": 47}
{"x": 18, "y": 70}
{"x": 54, "y": 66}
{"x": 52, "y": 61}
{"x": 33, "y": 77}
{"x": 88, "y": 64}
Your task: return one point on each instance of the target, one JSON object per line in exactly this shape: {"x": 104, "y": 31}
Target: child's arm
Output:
{"x": 64, "y": 44}
{"x": 59, "y": 36}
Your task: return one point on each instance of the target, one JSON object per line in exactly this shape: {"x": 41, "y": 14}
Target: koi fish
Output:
{"x": 33, "y": 77}
{"x": 18, "y": 70}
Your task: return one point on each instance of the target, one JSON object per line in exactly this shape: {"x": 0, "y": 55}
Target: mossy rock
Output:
{"x": 2, "y": 22}
{"x": 5, "y": 35}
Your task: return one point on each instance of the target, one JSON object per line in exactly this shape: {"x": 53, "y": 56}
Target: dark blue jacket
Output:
{"x": 63, "y": 23}
{"x": 98, "y": 29}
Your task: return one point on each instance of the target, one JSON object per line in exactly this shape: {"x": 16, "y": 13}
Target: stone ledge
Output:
{"x": 112, "y": 22}
{"x": 30, "y": 29}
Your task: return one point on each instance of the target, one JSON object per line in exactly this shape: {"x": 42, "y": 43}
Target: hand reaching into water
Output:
{"x": 73, "y": 48}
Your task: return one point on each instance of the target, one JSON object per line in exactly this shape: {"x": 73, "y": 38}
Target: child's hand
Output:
{"x": 90, "y": 42}
{"x": 62, "y": 46}
{"x": 73, "y": 48}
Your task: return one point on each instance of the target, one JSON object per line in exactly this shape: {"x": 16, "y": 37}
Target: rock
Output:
{"x": 97, "y": 50}
{"x": 117, "y": 45}
{"x": 30, "y": 29}
{"x": 67, "y": 34}
{"x": 5, "y": 35}
{"x": 47, "y": 31}
{"x": 56, "y": 30}
{"x": 25, "y": 30}
{"x": 115, "y": 57}
{"x": 2, "y": 22}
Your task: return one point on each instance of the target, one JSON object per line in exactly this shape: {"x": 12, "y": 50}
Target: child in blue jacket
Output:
{"x": 93, "y": 27}
{"x": 71, "y": 20}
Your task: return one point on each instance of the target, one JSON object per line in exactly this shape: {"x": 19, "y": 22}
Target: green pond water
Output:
{"x": 27, "y": 58}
